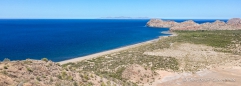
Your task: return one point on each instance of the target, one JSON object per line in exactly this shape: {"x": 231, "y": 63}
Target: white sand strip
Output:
{"x": 110, "y": 51}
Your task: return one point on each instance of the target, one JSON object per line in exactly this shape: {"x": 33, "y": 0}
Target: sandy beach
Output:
{"x": 113, "y": 50}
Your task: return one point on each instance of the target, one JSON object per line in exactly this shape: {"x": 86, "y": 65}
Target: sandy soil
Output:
{"x": 220, "y": 76}
{"x": 106, "y": 52}
{"x": 224, "y": 69}
{"x": 193, "y": 52}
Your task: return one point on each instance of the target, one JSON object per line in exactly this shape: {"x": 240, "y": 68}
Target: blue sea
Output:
{"x": 62, "y": 39}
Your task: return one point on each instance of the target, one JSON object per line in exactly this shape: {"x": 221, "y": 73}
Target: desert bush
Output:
{"x": 45, "y": 59}
{"x": 5, "y": 67}
{"x": 29, "y": 69}
{"x": 38, "y": 78}
{"x": 4, "y": 72}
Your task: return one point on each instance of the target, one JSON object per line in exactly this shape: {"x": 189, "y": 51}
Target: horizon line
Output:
{"x": 109, "y": 18}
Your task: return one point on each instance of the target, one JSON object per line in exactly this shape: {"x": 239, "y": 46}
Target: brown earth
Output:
{"x": 217, "y": 68}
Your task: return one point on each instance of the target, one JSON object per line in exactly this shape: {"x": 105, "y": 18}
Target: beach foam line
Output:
{"x": 111, "y": 51}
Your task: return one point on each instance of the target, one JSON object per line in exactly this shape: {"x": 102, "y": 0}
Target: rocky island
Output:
{"x": 232, "y": 24}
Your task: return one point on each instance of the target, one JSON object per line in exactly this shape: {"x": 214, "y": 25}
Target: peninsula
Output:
{"x": 232, "y": 24}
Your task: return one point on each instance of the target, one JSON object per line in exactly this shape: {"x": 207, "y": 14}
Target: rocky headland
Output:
{"x": 231, "y": 24}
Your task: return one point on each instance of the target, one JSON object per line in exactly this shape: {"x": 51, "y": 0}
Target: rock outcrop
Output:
{"x": 186, "y": 25}
{"x": 235, "y": 23}
{"x": 232, "y": 24}
{"x": 161, "y": 23}
{"x": 43, "y": 73}
{"x": 217, "y": 25}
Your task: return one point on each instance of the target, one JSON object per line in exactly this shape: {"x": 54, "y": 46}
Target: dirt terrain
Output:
{"x": 224, "y": 71}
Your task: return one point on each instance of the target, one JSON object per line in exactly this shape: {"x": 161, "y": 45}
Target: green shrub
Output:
{"x": 60, "y": 77}
{"x": 27, "y": 62}
{"x": 103, "y": 84}
{"x": 70, "y": 78}
{"x": 45, "y": 59}
{"x": 58, "y": 64}
{"x": 29, "y": 69}
{"x": 4, "y": 72}
{"x": 5, "y": 67}
{"x": 38, "y": 78}
{"x": 86, "y": 77}
{"x": 141, "y": 79}
{"x": 76, "y": 84}
{"x": 51, "y": 79}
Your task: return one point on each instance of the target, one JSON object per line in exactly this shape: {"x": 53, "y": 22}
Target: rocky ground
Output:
{"x": 232, "y": 24}
{"x": 217, "y": 68}
{"x": 44, "y": 73}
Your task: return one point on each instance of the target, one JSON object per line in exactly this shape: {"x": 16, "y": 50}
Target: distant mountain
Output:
{"x": 124, "y": 17}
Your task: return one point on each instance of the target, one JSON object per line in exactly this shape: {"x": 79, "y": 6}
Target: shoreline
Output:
{"x": 113, "y": 50}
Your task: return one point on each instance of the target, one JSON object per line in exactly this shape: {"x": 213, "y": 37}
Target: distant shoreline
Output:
{"x": 114, "y": 50}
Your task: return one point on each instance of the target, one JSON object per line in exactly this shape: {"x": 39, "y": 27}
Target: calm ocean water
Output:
{"x": 60, "y": 40}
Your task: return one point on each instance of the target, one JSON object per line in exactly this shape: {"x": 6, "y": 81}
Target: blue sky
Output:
{"x": 84, "y": 9}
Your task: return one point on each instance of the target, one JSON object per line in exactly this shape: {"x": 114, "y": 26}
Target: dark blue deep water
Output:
{"x": 60, "y": 40}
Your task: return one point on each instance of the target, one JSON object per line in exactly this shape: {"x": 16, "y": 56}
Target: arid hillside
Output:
{"x": 185, "y": 59}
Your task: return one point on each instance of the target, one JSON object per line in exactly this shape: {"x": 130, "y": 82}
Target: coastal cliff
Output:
{"x": 232, "y": 24}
